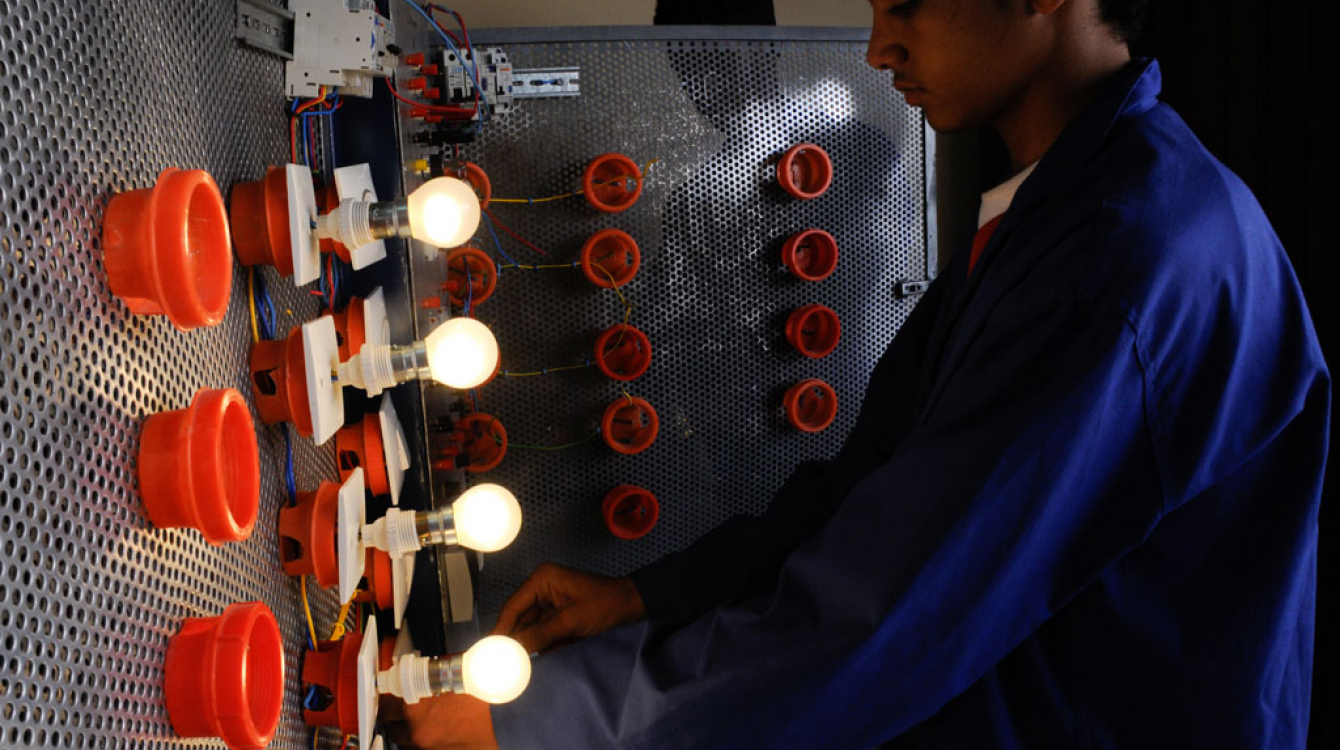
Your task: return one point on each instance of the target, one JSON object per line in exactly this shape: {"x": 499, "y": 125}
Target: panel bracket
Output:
{"x": 268, "y": 28}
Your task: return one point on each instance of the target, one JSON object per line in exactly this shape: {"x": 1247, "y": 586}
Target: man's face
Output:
{"x": 964, "y": 62}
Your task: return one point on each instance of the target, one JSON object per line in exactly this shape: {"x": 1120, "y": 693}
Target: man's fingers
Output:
{"x": 554, "y": 628}
{"x": 522, "y": 600}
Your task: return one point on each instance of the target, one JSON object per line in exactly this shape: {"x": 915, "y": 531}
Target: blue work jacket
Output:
{"x": 1078, "y": 509}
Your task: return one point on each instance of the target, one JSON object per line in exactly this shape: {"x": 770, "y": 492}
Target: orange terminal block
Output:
{"x": 623, "y": 352}
{"x": 610, "y": 258}
{"x": 381, "y": 587}
{"x": 612, "y": 183}
{"x": 805, "y": 171}
{"x": 360, "y": 445}
{"x": 260, "y": 222}
{"x": 480, "y": 438}
{"x": 811, "y": 255}
{"x": 814, "y": 330}
{"x": 630, "y": 512}
{"x": 333, "y": 668}
{"x": 350, "y": 328}
{"x": 811, "y": 405}
{"x": 307, "y": 535}
{"x": 471, "y": 275}
{"x": 279, "y": 382}
{"x": 629, "y": 425}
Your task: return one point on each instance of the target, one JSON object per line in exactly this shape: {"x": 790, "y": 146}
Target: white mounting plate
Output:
{"x": 352, "y": 515}
{"x": 402, "y": 575}
{"x": 377, "y": 744}
{"x": 367, "y": 680}
{"x": 394, "y": 446}
{"x": 376, "y": 324}
{"x": 321, "y": 355}
{"x": 301, "y": 214}
{"x": 354, "y": 182}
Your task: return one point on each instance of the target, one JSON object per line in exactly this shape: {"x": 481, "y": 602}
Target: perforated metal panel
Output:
{"x": 711, "y": 293}
{"x": 97, "y": 98}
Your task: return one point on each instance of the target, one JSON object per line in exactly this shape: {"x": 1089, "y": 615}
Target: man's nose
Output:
{"x": 883, "y": 54}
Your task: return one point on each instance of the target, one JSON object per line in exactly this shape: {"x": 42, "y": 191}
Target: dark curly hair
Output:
{"x": 1126, "y": 17}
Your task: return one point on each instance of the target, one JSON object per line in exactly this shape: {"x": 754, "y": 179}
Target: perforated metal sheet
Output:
{"x": 97, "y": 98}
{"x": 711, "y": 293}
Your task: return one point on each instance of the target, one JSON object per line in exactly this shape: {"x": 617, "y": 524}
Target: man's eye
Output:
{"x": 904, "y": 8}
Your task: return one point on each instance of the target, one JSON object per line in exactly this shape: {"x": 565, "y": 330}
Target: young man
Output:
{"x": 1079, "y": 506}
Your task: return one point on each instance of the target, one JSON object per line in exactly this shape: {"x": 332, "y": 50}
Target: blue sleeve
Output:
{"x": 741, "y": 557}
{"x": 1031, "y": 473}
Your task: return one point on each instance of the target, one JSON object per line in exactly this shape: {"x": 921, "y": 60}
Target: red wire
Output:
{"x": 465, "y": 33}
{"x": 345, "y": 746}
{"x": 516, "y": 236}
{"x": 429, "y": 107}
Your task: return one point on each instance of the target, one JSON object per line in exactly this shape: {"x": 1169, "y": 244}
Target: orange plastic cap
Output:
{"x": 630, "y": 511}
{"x": 814, "y": 330}
{"x": 333, "y": 667}
{"x": 351, "y": 330}
{"x": 805, "y": 171}
{"x": 381, "y": 585}
{"x": 360, "y": 444}
{"x": 610, "y": 258}
{"x": 482, "y": 439}
{"x": 471, "y": 275}
{"x": 260, "y": 222}
{"x": 629, "y": 425}
{"x": 612, "y": 183}
{"x": 811, "y": 405}
{"x": 479, "y": 180}
{"x": 224, "y": 677}
{"x": 811, "y": 255}
{"x": 279, "y": 382}
{"x": 199, "y": 467}
{"x": 307, "y": 535}
{"x": 167, "y": 249}
{"x": 623, "y": 352}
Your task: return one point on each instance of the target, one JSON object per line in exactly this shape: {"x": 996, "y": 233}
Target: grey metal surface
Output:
{"x": 711, "y": 293}
{"x": 97, "y": 98}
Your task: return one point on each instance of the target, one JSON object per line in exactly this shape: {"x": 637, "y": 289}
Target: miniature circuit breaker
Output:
{"x": 495, "y": 78}
{"x": 342, "y": 44}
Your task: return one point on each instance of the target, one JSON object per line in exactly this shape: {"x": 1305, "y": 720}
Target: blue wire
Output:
{"x": 489, "y": 223}
{"x": 469, "y": 289}
{"x": 474, "y": 63}
{"x": 289, "y": 478}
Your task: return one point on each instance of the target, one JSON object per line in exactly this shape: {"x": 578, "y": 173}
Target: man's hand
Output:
{"x": 559, "y": 605}
{"x": 442, "y": 722}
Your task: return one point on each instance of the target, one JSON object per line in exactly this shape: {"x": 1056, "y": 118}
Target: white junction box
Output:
{"x": 340, "y": 44}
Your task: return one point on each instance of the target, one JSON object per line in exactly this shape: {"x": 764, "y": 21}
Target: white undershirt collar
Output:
{"x": 997, "y": 200}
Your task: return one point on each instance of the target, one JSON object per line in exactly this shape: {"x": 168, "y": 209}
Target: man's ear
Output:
{"x": 1046, "y": 7}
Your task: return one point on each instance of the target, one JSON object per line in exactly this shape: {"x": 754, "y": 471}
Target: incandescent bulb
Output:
{"x": 462, "y": 353}
{"x": 444, "y": 212}
{"x": 496, "y": 669}
{"x": 487, "y": 517}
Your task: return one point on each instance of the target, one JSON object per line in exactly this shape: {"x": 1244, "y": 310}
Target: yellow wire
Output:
{"x": 251, "y": 297}
{"x": 646, "y": 170}
{"x": 545, "y": 372}
{"x": 307, "y": 609}
{"x": 337, "y": 632}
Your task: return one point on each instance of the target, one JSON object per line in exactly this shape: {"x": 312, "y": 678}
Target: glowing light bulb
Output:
{"x": 496, "y": 669}
{"x": 444, "y": 212}
{"x": 462, "y": 353}
{"x": 487, "y": 517}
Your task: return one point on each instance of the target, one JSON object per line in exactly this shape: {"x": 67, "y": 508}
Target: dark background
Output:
{"x": 1252, "y": 80}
